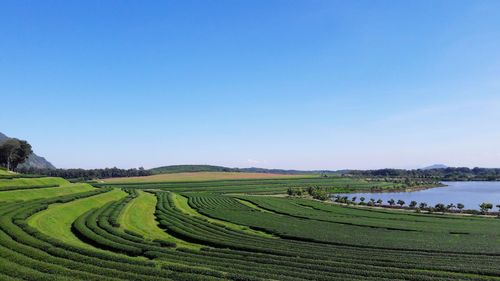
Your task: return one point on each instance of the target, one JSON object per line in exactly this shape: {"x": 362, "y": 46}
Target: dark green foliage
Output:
{"x": 412, "y": 177}
{"x": 485, "y": 207}
{"x": 319, "y": 193}
{"x": 413, "y": 204}
{"x": 82, "y": 174}
{"x": 440, "y": 207}
{"x": 295, "y": 191}
{"x": 14, "y": 152}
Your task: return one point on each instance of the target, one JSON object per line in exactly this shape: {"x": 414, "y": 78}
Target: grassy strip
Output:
{"x": 57, "y": 219}
{"x": 4, "y": 172}
{"x": 31, "y": 194}
{"x": 27, "y": 182}
{"x": 139, "y": 216}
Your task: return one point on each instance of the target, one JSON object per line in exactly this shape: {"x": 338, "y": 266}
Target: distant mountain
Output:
{"x": 33, "y": 161}
{"x": 435, "y": 166}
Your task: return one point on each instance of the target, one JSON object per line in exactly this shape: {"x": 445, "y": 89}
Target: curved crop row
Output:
{"x": 35, "y": 256}
{"x": 380, "y": 263}
{"x": 229, "y": 253}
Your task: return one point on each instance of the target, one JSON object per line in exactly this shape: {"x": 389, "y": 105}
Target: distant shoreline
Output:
{"x": 395, "y": 190}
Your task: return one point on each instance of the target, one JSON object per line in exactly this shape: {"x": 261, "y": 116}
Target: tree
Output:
{"x": 297, "y": 192}
{"x": 311, "y": 190}
{"x": 14, "y": 152}
{"x": 460, "y": 206}
{"x": 423, "y": 205}
{"x": 485, "y": 207}
{"x": 320, "y": 193}
{"x": 353, "y": 199}
{"x": 391, "y": 202}
{"x": 450, "y": 206}
{"x": 440, "y": 207}
{"x": 413, "y": 204}
{"x": 294, "y": 191}
{"x": 379, "y": 202}
{"x": 362, "y": 199}
{"x": 401, "y": 202}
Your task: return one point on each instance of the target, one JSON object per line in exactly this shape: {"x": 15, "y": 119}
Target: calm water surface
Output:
{"x": 471, "y": 194}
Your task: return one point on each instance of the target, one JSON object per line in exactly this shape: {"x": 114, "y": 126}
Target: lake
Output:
{"x": 471, "y": 194}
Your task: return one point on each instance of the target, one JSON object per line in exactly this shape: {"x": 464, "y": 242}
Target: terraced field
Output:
{"x": 229, "y": 230}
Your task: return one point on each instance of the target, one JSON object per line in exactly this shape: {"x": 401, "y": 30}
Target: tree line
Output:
{"x": 87, "y": 174}
{"x": 444, "y": 174}
{"x": 485, "y": 207}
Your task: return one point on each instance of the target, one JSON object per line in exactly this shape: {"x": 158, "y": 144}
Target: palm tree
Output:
{"x": 391, "y": 201}
{"x": 423, "y": 205}
{"x": 354, "y": 198}
{"x": 460, "y": 206}
{"x": 450, "y": 206}
{"x": 379, "y": 202}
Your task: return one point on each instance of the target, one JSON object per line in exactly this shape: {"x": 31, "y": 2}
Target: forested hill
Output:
{"x": 33, "y": 161}
{"x": 211, "y": 168}
{"x": 191, "y": 168}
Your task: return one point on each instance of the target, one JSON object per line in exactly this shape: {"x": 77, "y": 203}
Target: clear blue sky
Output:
{"x": 277, "y": 84}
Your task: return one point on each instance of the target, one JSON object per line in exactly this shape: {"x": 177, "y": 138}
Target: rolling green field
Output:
{"x": 230, "y": 229}
{"x": 30, "y": 183}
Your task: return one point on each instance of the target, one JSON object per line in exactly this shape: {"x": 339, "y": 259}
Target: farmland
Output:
{"x": 229, "y": 229}
{"x": 202, "y": 176}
